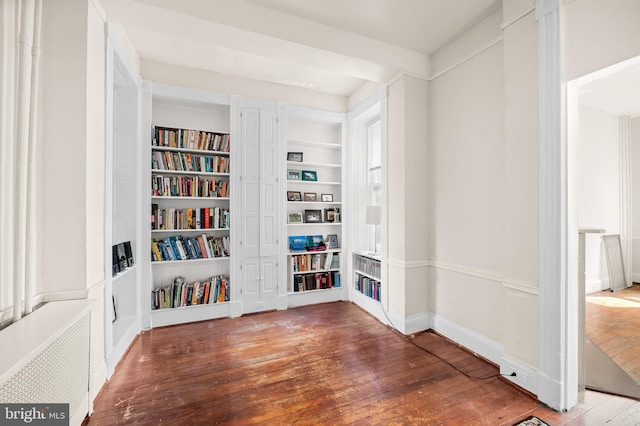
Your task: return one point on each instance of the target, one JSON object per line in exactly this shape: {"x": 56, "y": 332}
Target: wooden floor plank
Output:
{"x": 324, "y": 364}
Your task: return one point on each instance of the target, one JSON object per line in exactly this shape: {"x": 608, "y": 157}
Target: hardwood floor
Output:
{"x": 323, "y": 364}
{"x": 613, "y": 323}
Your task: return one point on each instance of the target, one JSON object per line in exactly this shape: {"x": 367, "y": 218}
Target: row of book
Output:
{"x": 368, "y": 287}
{"x": 180, "y": 293}
{"x": 318, "y": 281}
{"x": 188, "y": 186}
{"x": 187, "y": 162}
{"x": 190, "y": 139}
{"x": 367, "y": 265}
{"x": 178, "y": 247}
{"x": 190, "y": 218}
{"x": 315, "y": 262}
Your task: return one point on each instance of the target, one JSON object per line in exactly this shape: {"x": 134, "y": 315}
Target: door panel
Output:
{"x": 260, "y": 198}
{"x": 269, "y": 184}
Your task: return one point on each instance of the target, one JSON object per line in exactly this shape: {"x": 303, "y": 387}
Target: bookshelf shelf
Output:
{"x": 186, "y": 173}
{"x": 316, "y": 224}
{"x": 168, "y": 197}
{"x": 311, "y": 182}
{"x": 315, "y": 137}
{"x": 120, "y": 275}
{"x": 367, "y": 272}
{"x": 190, "y": 171}
{"x": 187, "y": 261}
{"x": 317, "y": 144}
{"x": 190, "y": 151}
{"x": 305, "y": 165}
{"x": 190, "y": 231}
{"x": 303, "y": 203}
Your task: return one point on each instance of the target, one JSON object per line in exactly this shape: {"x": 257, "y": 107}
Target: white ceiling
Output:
{"x": 331, "y": 46}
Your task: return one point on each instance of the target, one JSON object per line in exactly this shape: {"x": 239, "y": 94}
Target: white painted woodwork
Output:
{"x": 260, "y": 215}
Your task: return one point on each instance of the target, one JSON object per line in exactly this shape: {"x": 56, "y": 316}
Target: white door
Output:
{"x": 259, "y": 242}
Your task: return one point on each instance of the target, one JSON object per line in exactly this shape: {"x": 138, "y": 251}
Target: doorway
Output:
{"x": 604, "y": 133}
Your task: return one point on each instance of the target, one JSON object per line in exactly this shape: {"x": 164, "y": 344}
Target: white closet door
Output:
{"x": 250, "y": 159}
{"x": 269, "y": 280}
{"x": 269, "y": 184}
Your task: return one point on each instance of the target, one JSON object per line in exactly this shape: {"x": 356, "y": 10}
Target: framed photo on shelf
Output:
{"x": 326, "y": 198}
{"x": 294, "y": 174}
{"x": 332, "y": 215}
{"x": 310, "y": 196}
{"x": 298, "y": 242}
{"x": 309, "y": 175}
{"x": 294, "y": 156}
{"x": 332, "y": 240}
{"x": 294, "y": 196}
{"x": 313, "y": 216}
{"x": 295, "y": 217}
{"x": 314, "y": 241}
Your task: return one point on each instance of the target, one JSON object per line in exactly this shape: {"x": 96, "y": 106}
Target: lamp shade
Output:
{"x": 374, "y": 215}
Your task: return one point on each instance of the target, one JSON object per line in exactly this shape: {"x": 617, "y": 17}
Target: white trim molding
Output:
{"x": 518, "y": 16}
{"x": 521, "y": 286}
{"x": 470, "y": 339}
{"x": 412, "y": 324}
{"x": 526, "y": 377}
{"x": 557, "y": 290}
{"x": 476, "y": 273}
{"x": 625, "y": 195}
{"x": 409, "y": 264}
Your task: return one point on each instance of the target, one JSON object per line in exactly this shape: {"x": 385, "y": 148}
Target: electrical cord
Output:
{"x": 410, "y": 339}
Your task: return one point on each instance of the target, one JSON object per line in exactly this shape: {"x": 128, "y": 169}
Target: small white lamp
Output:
{"x": 373, "y": 216}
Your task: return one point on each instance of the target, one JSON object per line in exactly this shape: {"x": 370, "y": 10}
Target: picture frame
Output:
{"x": 326, "y": 198}
{"x": 295, "y": 156}
{"x": 297, "y": 242}
{"x": 313, "y": 216}
{"x": 310, "y": 196}
{"x": 295, "y": 217}
{"x": 314, "y": 241}
{"x": 310, "y": 175}
{"x": 293, "y": 174}
{"x": 332, "y": 240}
{"x": 332, "y": 215}
{"x": 294, "y": 196}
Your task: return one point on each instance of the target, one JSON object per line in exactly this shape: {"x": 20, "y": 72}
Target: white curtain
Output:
{"x": 20, "y": 52}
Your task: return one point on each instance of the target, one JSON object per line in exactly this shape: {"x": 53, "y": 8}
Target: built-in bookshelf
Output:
{"x": 122, "y": 307}
{"x": 314, "y": 208}
{"x": 366, "y": 271}
{"x": 190, "y": 201}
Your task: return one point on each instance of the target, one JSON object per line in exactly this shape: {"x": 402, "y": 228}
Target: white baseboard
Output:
{"x": 412, "y": 324}
{"x": 596, "y": 285}
{"x": 526, "y": 377}
{"x": 635, "y": 277}
{"x": 470, "y": 339}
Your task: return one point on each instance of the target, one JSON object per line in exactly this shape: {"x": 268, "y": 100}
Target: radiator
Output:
{"x": 51, "y": 360}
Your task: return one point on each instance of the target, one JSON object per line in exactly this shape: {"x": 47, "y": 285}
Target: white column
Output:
{"x": 557, "y": 294}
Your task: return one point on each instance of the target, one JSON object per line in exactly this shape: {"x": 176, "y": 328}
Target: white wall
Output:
{"x": 71, "y": 179}
{"x": 63, "y": 150}
{"x": 521, "y": 184}
{"x": 634, "y": 143}
{"x": 199, "y": 79}
{"x": 407, "y": 202}
{"x": 598, "y": 188}
{"x": 467, "y": 162}
{"x": 598, "y": 34}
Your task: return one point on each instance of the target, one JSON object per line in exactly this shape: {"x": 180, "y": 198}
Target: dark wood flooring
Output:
{"x": 327, "y": 364}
